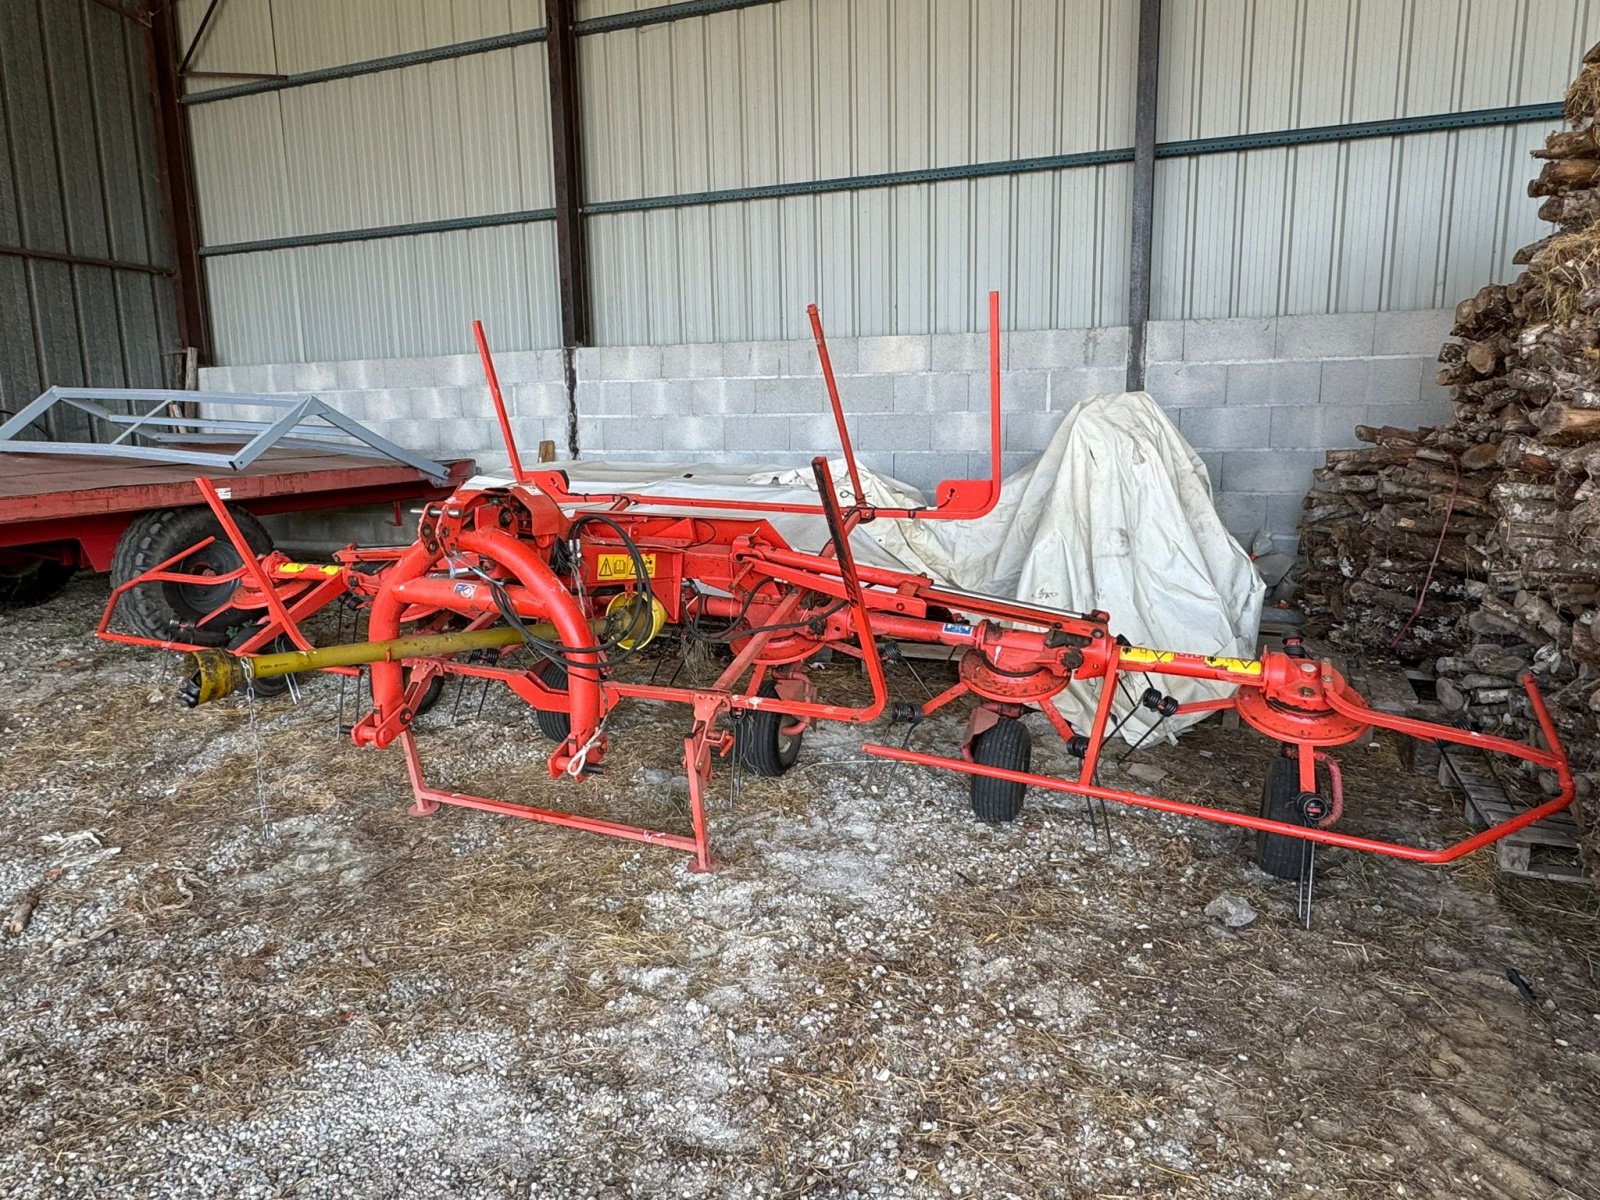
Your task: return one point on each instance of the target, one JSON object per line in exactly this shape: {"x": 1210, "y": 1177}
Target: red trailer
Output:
{"x": 123, "y": 508}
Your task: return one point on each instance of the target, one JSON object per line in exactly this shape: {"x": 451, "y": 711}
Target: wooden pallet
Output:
{"x": 1547, "y": 849}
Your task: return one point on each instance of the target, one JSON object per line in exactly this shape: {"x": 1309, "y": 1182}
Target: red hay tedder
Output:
{"x": 584, "y": 580}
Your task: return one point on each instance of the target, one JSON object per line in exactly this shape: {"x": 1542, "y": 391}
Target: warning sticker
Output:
{"x": 1238, "y": 666}
{"x": 610, "y": 568}
{"x": 1138, "y": 654}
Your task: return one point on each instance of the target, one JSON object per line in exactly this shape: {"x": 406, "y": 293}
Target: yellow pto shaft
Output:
{"x": 218, "y": 673}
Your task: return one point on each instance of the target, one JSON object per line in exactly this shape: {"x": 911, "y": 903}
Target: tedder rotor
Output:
{"x": 584, "y": 580}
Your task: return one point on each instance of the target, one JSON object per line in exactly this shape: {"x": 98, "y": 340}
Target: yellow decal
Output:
{"x": 1237, "y": 666}
{"x": 1138, "y": 654}
{"x": 610, "y": 568}
{"x": 294, "y": 568}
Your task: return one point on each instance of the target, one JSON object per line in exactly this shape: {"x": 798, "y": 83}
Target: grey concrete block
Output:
{"x": 692, "y": 433}
{"x": 809, "y": 434}
{"x": 467, "y": 436}
{"x": 530, "y": 431}
{"x": 785, "y": 394}
{"x": 1187, "y": 385}
{"x": 1419, "y": 332}
{"x": 1020, "y": 391}
{"x": 705, "y": 360}
{"x": 887, "y": 431}
{"x": 675, "y": 361}
{"x": 1233, "y": 339}
{"x": 754, "y": 360}
{"x": 605, "y": 398}
{"x": 1044, "y": 349}
{"x": 1395, "y": 380}
{"x": 1269, "y": 470}
{"x": 466, "y": 370}
{"x": 215, "y": 379}
{"x": 1028, "y": 431}
{"x": 524, "y": 366}
{"x": 912, "y": 392}
{"x": 352, "y": 375}
{"x": 931, "y": 393}
{"x": 1316, "y": 426}
{"x": 661, "y": 397}
{"x": 800, "y": 357}
{"x": 724, "y": 395}
{"x": 860, "y": 393}
{"x": 533, "y": 400}
{"x": 1106, "y": 347}
{"x": 1011, "y": 462}
{"x": 589, "y": 435}
{"x": 959, "y": 352}
{"x": 1283, "y": 511}
{"x": 281, "y": 378}
{"x": 1340, "y": 335}
{"x": 619, "y": 362}
{"x": 1242, "y": 513}
{"x": 315, "y": 377}
{"x": 412, "y": 433}
{"x": 351, "y": 404}
{"x": 962, "y": 431}
{"x": 1344, "y": 380}
{"x": 924, "y": 470}
{"x": 631, "y": 433}
{"x": 408, "y": 372}
{"x": 1224, "y": 427}
{"x": 1163, "y": 341}
{"x": 1274, "y": 383}
{"x": 893, "y": 355}
{"x": 762, "y": 434}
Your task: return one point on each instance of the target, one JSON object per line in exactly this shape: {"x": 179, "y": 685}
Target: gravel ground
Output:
{"x": 251, "y": 974}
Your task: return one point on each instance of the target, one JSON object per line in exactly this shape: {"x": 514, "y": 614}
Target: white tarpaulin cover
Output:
{"x": 1115, "y": 515}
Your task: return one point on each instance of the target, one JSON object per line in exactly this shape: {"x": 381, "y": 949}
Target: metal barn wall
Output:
{"x": 1390, "y": 223}
{"x": 440, "y": 141}
{"x": 78, "y": 180}
{"x": 804, "y": 90}
{"x": 797, "y": 91}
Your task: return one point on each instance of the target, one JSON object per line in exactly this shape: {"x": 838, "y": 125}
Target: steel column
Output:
{"x": 566, "y": 153}
{"x": 1144, "y": 189}
{"x": 176, "y": 165}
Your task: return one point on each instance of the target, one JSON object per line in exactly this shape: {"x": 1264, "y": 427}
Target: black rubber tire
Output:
{"x": 1007, "y": 743}
{"x": 170, "y": 610}
{"x": 1276, "y": 854}
{"x": 32, "y": 581}
{"x": 557, "y": 726}
{"x": 430, "y": 694}
{"x": 759, "y": 741}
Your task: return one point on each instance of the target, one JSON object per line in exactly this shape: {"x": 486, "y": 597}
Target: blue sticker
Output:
{"x": 467, "y": 590}
{"x": 957, "y": 628}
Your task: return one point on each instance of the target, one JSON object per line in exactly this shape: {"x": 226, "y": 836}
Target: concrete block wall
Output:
{"x": 1260, "y": 399}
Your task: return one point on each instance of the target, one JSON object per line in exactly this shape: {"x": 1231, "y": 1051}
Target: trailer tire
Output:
{"x": 1007, "y": 743}
{"x": 32, "y": 581}
{"x": 759, "y": 741}
{"x": 171, "y": 610}
{"x": 557, "y": 726}
{"x": 1278, "y": 854}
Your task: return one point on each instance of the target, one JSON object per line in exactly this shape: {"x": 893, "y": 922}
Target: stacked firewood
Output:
{"x": 1474, "y": 549}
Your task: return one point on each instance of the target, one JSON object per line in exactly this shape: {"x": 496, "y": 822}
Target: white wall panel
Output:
{"x": 803, "y": 90}
{"x": 396, "y": 298}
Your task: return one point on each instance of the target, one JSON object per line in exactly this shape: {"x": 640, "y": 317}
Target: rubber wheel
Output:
{"x": 33, "y": 581}
{"x": 1007, "y": 743}
{"x": 1277, "y": 854}
{"x": 557, "y": 726}
{"x": 172, "y": 610}
{"x": 430, "y": 694}
{"x": 759, "y": 741}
